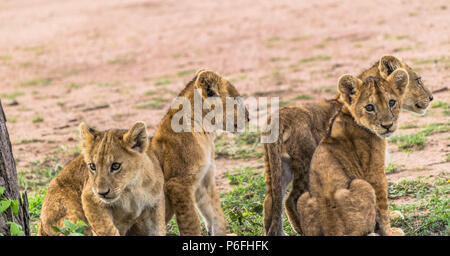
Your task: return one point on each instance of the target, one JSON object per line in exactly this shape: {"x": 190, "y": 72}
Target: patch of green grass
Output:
{"x": 12, "y": 119}
{"x": 38, "y": 49}
{"x": 12, "y": 95}
{"x": 243, "y": 205}
{"x": 430, "y": 214}
{"x": 283, "y": 103}
{"x": 303, "y": 97}
{"x": 39, "y": 173}
{"x": 403, "y": 49}
{"x": 35, "y": 204}
{"x": 408, "y": 126}
{"x": 108, "y": 84}
{"x": 410, "y": 142}
{"x": 245, "y": 146}
{"x": 237, "y": 78}
{"x": 122, "y": 59}
{"x": 440, "y": 104}
{"x": 417, "y": 141}
{"x": 38, "y": 119}
{"x": 300, "y": 38}
{"x": 37, "y": 81}
{"x": 314, "y": 58}
{"x": 395, "y": 37}
{"x": 262, "y": 94}
{"x": 162, "y": 82}
{"x": 26, "y": 64}
{"x": 155, "y": 103}
{"x": 392, "y": 168}
{"x": 422, "y": 61}
{"x": 5, "y": 57}
{"x": 276, "y": 59}
{"x": 186, "y": 72}
{"x": 150, "y": 93}
{"x": 74, "y": 86}
{"x": 27, "y": 141}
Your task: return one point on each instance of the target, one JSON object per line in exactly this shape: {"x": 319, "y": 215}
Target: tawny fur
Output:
{"x": 187, "y": 160}
{"x": 134, "y": 204}
{"x": 347, "y": 183}
{"x": 301, "y": 129}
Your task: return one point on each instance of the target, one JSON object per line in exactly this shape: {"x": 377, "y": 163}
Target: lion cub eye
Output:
{"x": 370, "y": 107}
{"x": 93, "y": 167}
{"x": 392, "y": 103}
{"x": 115, "y": 167}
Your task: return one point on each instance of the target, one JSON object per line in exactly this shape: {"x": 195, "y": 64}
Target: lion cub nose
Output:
{"x": 431, "y": 98}
{"x": 387, "y": 126}
{"x": 104, "y": 193}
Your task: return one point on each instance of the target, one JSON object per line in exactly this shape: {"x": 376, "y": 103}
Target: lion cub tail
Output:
{"x": 273, "y": 207}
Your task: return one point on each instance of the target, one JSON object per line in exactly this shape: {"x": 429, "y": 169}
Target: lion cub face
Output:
{"x": 114, "y": 158}
{"x": 214, "y": 87}
{"x": 417, "y": 97}
{"x": 375, "y": 103}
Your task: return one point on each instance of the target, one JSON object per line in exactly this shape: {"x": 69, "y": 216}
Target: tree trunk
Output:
{"x": 8, "y": 180}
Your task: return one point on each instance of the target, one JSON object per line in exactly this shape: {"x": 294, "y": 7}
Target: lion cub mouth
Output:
{"x": 386, "y": 134}
{"x": 108, "y": 200}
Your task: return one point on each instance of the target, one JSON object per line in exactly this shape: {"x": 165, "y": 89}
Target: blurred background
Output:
{"x": 110, "y": 63}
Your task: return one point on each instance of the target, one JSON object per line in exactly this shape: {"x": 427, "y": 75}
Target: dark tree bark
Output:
{"x": 8, "y": 180}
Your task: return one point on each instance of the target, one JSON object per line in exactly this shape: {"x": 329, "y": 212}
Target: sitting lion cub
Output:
{"x": 115, "y": 186}
{"x": 288, "y": 161}
{"x": 347, "y": 183}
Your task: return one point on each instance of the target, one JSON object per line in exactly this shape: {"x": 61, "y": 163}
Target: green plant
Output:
{"x": 6, "y": 203}
{"x": 71, "y": 229}
{"x": 391, "y": 168}
{"x": 417, "y": 141}
{"x": 38, "y": 119}
{"x": 155, "y": 103}
{"x": 245, "y": 146}
{"x": 15, "y": 229}
{"x": 243, "y": 206}
{"x": 303, "y": 97}
{"x": 35, "y": 204}
{"x": 430, "y": 215}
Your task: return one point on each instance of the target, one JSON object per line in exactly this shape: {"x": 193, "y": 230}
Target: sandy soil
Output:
{"x": 60, "y": 59}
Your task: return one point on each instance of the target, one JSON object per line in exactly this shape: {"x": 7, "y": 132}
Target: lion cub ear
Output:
{"x": 388, "y": 64}
{"x": 348, "y": 86}
{"x": 400, "y": 79}
{"x": 209, "y": 83}
{"x": 87, "y": 136}
{"x": 136, "y": 139}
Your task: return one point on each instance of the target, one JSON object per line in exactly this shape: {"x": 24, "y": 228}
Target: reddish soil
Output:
{"x": 61, "y": 58}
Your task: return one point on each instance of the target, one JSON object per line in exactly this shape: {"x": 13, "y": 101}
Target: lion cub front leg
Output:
{"x": 97, "y": 215}
{"x": 383, "y": 215}
{"x": 208, "y": 203}
{"x": 181, "y": 196}
{"x": 150, "y": 222}
{"x": 158, "y": 219}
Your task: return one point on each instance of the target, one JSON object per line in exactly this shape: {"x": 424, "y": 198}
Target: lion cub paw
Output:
{"x": 395, "y": 215}
{"x": 396, "y": 232}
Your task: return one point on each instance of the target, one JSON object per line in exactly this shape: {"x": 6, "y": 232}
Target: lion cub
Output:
{"x": 115, "y": 186}
{"x": 288, "y": 160}
{"x": 187, "y": 157}
{"x": 347, "y": 183}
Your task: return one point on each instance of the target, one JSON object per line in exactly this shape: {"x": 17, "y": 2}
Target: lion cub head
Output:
{"x": 216, "y": 90}
{"x": 375, "y": 103}
{"x": 115, "y": 159}
{"x": 417, "y": 97}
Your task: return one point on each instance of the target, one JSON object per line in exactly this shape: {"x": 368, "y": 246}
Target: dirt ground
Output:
{"x": 110, "y": 63}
